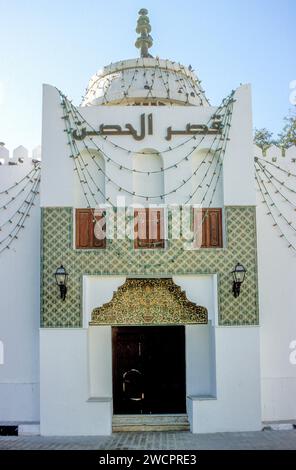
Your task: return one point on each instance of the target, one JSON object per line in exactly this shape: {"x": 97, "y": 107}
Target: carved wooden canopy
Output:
{"x": 149, "y": 301}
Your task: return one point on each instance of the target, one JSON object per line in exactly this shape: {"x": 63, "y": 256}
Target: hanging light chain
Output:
{"x": 271, "y": 214}
{"x": 278, "y": 167}
{"x": 13, "y": 186}
{"x": 276, "y": 188}
{"x": 75, "y": 112}
{"x": 273, "y": 204}
{"x": 13, "y": 235}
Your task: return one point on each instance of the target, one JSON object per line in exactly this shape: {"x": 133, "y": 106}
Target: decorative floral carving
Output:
{"x": 149, "y": 301}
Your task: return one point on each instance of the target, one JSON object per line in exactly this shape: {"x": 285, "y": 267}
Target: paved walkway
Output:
{"x": 158, "y": 440}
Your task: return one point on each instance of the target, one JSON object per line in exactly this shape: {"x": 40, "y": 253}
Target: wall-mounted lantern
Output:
{"x": 61, "y": 277}
{"x": 238, "y": 274}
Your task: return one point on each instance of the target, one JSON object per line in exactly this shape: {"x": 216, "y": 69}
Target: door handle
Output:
{"x": 139, "y": 398}
{"x": 125, "y": 380}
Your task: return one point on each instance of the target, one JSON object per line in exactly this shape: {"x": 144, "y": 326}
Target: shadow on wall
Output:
{"x": 148, "y": 160}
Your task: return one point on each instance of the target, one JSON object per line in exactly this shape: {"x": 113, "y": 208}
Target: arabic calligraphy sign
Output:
{"x": 116, "y": 130}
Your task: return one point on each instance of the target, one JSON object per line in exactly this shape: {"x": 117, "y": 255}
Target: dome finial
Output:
{"x": 144, "y": 41}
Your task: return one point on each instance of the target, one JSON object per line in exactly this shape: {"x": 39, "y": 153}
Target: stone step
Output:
{"x": 167, "y": 422}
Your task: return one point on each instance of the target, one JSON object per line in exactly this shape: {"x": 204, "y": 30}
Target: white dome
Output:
{"x": 145, "y": 81}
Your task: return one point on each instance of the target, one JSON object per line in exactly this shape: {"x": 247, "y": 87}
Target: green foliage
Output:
{"x": 288, "y": 135}
{"x": 263, "y": 138}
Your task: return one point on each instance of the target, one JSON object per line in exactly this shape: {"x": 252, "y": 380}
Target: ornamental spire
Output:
{"x": 144, "y": 41}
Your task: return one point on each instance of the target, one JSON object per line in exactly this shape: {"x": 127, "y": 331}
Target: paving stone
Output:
{"x": 157, "y": 440}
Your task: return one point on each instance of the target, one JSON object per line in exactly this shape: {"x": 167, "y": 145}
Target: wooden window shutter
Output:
{"x": 215, "y": 228}
{"x": 141, "y": 233}
{"x": 156, "y": 228}
{"x": 149, "y": 227}
{"x": 211, "y": 219}
{"x": 85, "y": 229}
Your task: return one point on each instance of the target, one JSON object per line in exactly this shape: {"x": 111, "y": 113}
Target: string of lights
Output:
{"x": 278, "y": 167}
{"x": 74, "y": 112}
{"x": 185, "y": 82}
{"x": 206, "y": 212}
{"x": 183, "y": 87}
{"x": 65, "y": 101}
{"x": 15, "y": 197}
{"x": 120, "y": 188}
{"x": 104, "y": 79}
{"x": 13, "y": 186}
{"x": 83, "y": 168}
{"x": 72, "y": 144}
{"x": 272, "y": 176}
{"x": 271, "y": 214}
{"x": 276, "y": 188}
{"x": 20, "y": 223}
{"x": 220, "y": 158}
{"x": 22, "y": 205}
{"x": 273, "y": 204}
{"x": 184, "y": 181}
{"x": 205, "y": 215}
{"x": 150, "y": 86}
{"x": 225, "y": 102}
{"x": 83, "y": 181}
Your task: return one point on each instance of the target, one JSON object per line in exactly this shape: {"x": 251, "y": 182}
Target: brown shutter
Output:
{"x": 85, "y": 223}
{"x": 83, "y": 228}
{"x": 141, "y": 229}
{"x": 149, "y": 228}
{"x": 156, "y": 228}
{"x": 215, "y": 228}
{"x": 211, "y": 227}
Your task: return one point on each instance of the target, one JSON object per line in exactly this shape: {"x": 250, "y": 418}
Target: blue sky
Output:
{"x": 63, "y": 42}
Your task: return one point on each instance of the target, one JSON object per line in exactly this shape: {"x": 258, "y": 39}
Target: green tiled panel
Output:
{"x": 119, "y": 258}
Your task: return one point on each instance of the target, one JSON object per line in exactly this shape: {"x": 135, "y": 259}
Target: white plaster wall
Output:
{"x": 277, "y": 297}
{"x": 19, "y": 310}
{"x": 238, "y": 170}
{"x": 98, "y": 290}
{"x": 144, "y": 184}
{"x": 66, "y": 404}
{"x": 237, "y": 404}
{"x": 200, "y": 289}
{"x": 60, "y": 188}
{"x": 200, "y": 360}
{"x": 100, "y": 361}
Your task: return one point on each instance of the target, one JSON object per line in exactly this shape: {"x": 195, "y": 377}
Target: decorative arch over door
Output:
{"x": 149, "y": 302}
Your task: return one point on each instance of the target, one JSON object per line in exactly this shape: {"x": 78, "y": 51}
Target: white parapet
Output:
{"x": 20, "y": 155}
{"x": 4, "y": 154}
{"x": 280, "y": 155}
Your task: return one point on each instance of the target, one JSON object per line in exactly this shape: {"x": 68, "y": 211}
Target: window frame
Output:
{"x": 164, "y": 218}
{"x": 91, "y": 246}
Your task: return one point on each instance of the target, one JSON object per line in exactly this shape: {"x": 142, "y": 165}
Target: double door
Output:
{"x": 149, "y": 370}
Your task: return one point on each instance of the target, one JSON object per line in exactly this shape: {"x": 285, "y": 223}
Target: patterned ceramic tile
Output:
{"x": 120, "y": 258}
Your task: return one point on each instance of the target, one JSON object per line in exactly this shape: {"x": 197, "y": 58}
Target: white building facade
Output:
{"x": 149, "y": 325}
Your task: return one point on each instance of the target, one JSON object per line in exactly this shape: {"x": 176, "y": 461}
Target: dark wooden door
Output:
{"x": 149, "y": 369}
